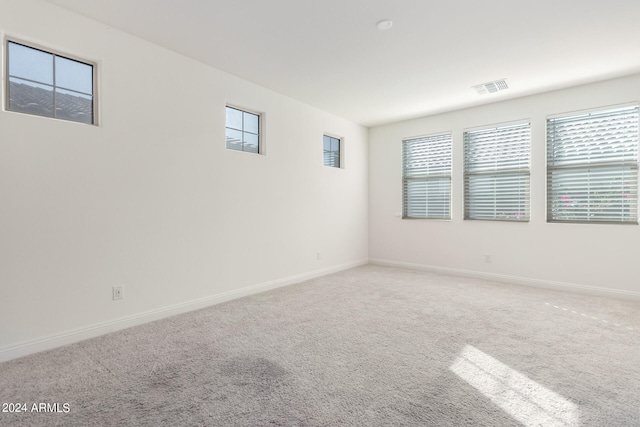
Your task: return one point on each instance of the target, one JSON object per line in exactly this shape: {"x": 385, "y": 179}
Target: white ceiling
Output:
{"x": 329, "y": 53}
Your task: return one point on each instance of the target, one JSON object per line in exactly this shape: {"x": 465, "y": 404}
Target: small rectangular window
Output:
{"x": 426, "y": 177}
{"x": 49, "y": 85}
{"x": 331, "y": 151}
{"x": 496, "y": 173}
{"x": 592, "y": 167}
{"x": 243, "y": 130}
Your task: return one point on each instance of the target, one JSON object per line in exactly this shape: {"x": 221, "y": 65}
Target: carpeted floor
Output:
{"x": 371, "y": 346}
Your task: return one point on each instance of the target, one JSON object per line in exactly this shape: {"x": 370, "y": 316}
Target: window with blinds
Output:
{"x": 426, "y": 177}
{"x": 496, "y": 173}
{"x": 592, "y": 167}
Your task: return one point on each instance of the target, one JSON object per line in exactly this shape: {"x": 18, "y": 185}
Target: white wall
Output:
{"x": 590, "y": 258}
{"x": 151, "y": 199}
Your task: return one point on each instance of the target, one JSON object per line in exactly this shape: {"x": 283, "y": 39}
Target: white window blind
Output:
{"x": 496, "y": 173}
{"x": 592, "y": 167}
{"x": 426, "y": 177}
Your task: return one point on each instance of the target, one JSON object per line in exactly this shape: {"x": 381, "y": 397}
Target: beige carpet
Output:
{"x": 371, "y": 346}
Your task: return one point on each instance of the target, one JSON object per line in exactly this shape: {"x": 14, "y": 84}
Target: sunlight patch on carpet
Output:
{"x": 522, "y": 398}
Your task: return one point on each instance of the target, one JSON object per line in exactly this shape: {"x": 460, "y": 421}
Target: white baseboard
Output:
{"x": 79, "y": 334}
{"x": 538, "y": 283}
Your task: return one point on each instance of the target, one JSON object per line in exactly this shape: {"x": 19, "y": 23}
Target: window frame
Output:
{"x": 501, "y": 169}
{"x": 440, "y": 138}
{"x": 630, "y": 165}
{"x": 55, "y": 53}
{"x": 338, "y": 157}
{"x": 260, "y": 134}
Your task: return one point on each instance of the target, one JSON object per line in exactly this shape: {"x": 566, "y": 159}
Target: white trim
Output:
{"x": 510, "y": 123}
{"x": 431, "y": 135}
{"x": 79, "y": 334}
{"x": 603, "y": 109}
{"x": 515, "y": 280}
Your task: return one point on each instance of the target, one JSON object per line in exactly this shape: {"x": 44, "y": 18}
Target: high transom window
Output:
{"x": 243, "y": 130}
{"x": 331, "y": 151}
{"x": 50, "y": 85}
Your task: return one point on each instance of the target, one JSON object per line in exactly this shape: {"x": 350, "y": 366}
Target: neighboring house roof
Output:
{"x": 26, "y": 98}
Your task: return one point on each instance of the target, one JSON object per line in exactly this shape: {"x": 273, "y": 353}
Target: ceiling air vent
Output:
{"x": 492, "y": 87}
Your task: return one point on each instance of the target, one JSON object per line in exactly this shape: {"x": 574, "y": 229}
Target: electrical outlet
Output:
{"x": 318, "y": 256}
{"x": 118, "y": 292}
{"x": 487, "y": 259}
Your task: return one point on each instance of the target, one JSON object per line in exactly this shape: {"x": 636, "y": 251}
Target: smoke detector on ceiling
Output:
{"x": 492, "y": 87}
{"x": 385, "y": 24}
